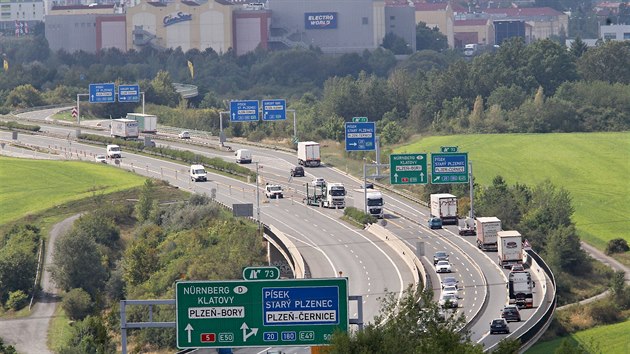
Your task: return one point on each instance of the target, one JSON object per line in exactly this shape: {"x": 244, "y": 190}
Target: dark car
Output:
{"x": 450, "y": 281}
{"x": 297, "y": 171}
{"x": 499, "y": 325}
{"x": 435, "y": 223}
{"x": 440, "y": 256}
{"x": 510, "y": 313}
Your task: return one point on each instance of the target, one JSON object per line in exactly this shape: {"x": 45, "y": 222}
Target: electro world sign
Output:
{"x": 320, "y": 20}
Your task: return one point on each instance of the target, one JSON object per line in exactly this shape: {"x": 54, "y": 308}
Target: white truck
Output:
{"x": 308, "y": 154}
{"x": 243, "y": 156}
{"x": 521, "y": 289}
{"x": 372, "y": 198}
{"x": 328, "y": 195}
{"x": 124, "y": 128}
{"x": 444, "y": 206}
{"x": 113, "y": 151}
{"x": 273, "y": 191}
{"x": 147, "y": 123}
{"x": 198, "y": 173}
{"x": 510, "y": 248}
{"x": 487, "y": 229}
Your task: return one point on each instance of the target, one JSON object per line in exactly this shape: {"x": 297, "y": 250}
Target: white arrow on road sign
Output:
{"x": 437, "y": 178}
{"x": 395, "y": 177}
{"x": 254, "y": 274}
{"x": 246, "y": 335}
{"x": 189, "y": 329}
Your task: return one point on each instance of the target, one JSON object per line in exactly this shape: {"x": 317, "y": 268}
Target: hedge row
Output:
{"x": 16, "y": 125}
{"x": 359, "y": 216}
{"x": 215, "y": 163}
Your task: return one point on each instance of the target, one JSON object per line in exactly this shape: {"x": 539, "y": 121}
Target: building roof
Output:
{"x": 474, "y": 22}
{"x": 422, "y": 6}
{"x": 82, "y": 7}
{"x": 524, "y": 11}
{"x": 190, "y": 3}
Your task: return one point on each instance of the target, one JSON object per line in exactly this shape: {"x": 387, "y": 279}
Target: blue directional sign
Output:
{"x": 102, "y": 93}
{"x": 243, "y": 111}
{"x": 360, "y": 136}
{"x": 449, "y": 168}
{"x": 274, "y": 110}
{"x": 128, "y": 93}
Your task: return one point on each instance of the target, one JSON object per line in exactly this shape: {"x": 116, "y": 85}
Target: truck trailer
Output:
{"x": 510, "y": 248}
{"x": 147, "y": 123}
{"x": 444, "y": 206}
{"x": 308, "y": 154}
{"x": 372, "y": 198}
{"x": 521, "y": 289}
{"x": 487, "y": 228}
{"x": 124, "y": 128}
{"x": 327, "y": 195}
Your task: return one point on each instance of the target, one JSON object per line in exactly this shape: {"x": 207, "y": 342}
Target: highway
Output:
{"x": 328, "y": 244}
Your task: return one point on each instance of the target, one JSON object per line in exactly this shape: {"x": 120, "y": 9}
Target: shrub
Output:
{"x": 77, "y": 304}
{"x": 617, "y": 245}
{"x": 17, "y": 300}
{"x": 359, "y": 216}
{"x": 16, "y": 125}
{"x": 605, "y": 312}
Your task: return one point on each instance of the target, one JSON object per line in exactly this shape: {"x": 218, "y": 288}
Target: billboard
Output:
{"x": 320, "y": 20}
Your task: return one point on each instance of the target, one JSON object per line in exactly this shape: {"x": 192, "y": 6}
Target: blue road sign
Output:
{"x": 102, "y": 93}
{"x": 449, "y": 168}
{"x": 243, "y": 111}
{"x": 274, "y": 110}
{"x": 360, "y": 136}
{"x": 128, "y": 93}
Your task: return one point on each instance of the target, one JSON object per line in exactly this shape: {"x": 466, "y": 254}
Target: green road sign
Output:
{"x": 359, "y": 120}
{"x": 448, "y": 148}
{"x": 286, "y": 312}
{"x": 261, "y": 273}
{"x": 408, "y": 169}
{"x": 295, "y": 140}
{"x": 449, "y": 168}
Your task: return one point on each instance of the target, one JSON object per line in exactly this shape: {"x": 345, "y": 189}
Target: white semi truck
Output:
{"x": 521, "y": 289}
{"x": 124, "y": 128}
{"x": 328, "y": 195}
{"x": 510, "y": 248}
{"x": 308, "y": 154}
{"x": 487, "y": 228}
{"x": 372, "y": 198}
{"x": 444, "y": 206}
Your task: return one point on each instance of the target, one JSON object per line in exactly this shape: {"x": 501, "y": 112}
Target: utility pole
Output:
{"x": 257, "y": 198}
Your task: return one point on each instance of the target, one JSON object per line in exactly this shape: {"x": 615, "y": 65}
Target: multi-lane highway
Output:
{"x": 328, "y": 244}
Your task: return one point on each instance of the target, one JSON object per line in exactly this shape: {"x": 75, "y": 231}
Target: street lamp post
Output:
{"x": 257, "y": 198}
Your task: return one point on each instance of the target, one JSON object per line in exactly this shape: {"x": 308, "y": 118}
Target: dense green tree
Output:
{"x": 430, "y": 38}
{"x": 77, "y": 304}
{"x": 161, "y": 90}
{"x": 24, "y": 96}
{"x": 563, "y": 250}
{"x": 100, "y": 228}
{"x": 501, "y": 201}
{"x": 578, "y": 47}
{"x": 18, "y": 250}
{"x": 550, "y": 64}
{"x": 145, "y": 201}
{"x": 507, "y": 98}
{"x": 380, "y": 61}
{"x": 89, "y": 336}
{"x": 396, "y": 44}
{"x": 77, "y": 263}
{"x": 608, "y": 62}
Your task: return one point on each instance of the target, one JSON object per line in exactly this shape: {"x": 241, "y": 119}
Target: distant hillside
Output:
{"x": 593, "y": 167}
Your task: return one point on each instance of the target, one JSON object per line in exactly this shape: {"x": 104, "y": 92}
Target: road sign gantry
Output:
{"x": 287, "y": 312}
{"x": 408, "y": 169}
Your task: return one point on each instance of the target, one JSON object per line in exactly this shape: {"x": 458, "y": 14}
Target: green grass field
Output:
{"x": 32, "y": 186}
{"x": 610, "y": 339}
{"x": 593, "y": 167}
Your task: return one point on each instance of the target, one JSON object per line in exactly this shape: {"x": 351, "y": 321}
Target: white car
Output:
{"x": 318, "y": 182}
{"x": 448, "y": 301}
{"x": 100, "y": 158}
{"x": 450, "y": 290}
{"x": 184, "y": 135}
{"x": 443, "y": 267}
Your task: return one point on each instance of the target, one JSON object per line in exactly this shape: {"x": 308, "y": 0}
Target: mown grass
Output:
{"x": 609, "y": 339}
{"x": 32, "y": 186}
{"x": 593, "y": 167}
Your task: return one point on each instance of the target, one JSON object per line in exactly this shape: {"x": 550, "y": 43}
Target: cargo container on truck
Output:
{"x": 147, "y": 123}
{"x": 326, "y": 195}
{"x": 444, "y": 206}
{"x": 308, "y": 154}
{"x": 521, "y": 289}
{"x": 487, "y": 228}
{"x": 371, "y": 198}
{"x": 124, "y": 128}
{"x": 510, "y": 248}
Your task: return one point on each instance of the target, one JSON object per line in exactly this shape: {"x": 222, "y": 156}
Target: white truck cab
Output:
{"x": 243, "y": 156}
{"x": 114, "y": 152}
{"x": 273, "y": 191}
{"x": 198, "y": 173}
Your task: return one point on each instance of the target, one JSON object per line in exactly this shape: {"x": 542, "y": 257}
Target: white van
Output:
{"x": 243, "y": 156}
{"x": 198, "y": 173}
{"x": 114, "y": 152}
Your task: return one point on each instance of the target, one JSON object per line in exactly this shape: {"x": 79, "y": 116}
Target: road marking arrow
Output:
{"x": 246, "y": 335}
{"x": 189, "y": 329}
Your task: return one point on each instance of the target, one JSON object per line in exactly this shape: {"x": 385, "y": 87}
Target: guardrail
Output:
{"x": 532, "y": 335}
